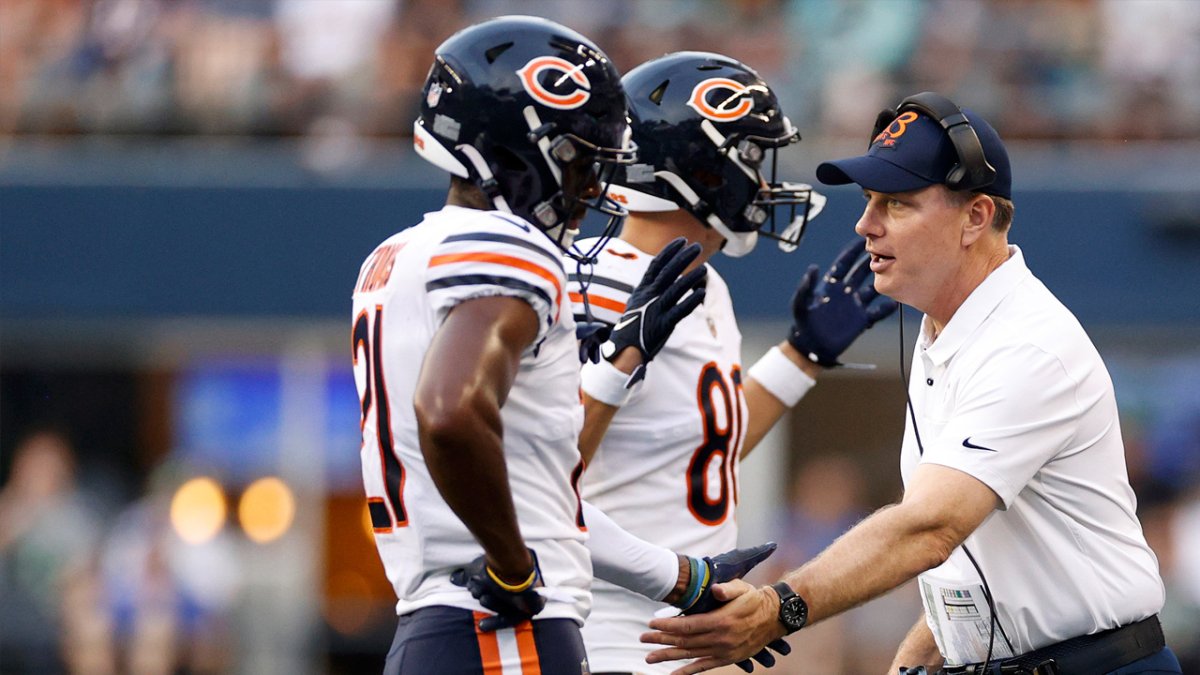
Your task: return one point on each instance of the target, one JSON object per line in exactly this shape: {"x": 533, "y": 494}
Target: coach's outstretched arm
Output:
{"x": 941, "y": 507}
{"x": 464, "y": 381}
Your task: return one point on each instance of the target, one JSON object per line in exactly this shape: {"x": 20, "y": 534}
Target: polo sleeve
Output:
{"x": 1010, "y": 418}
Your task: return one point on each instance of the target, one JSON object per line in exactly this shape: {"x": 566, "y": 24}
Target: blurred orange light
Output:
{"x": 267, "y": 509}
{"x": 198, "y": 510}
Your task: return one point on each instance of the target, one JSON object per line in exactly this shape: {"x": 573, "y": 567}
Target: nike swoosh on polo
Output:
{"x": 968, "y": 444}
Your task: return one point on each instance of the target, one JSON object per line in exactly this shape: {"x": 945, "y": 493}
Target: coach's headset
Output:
{"x": 972, "y": 171}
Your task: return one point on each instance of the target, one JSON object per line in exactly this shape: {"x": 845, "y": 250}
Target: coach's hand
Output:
{"x": 727, "y": 567}
{"x": 828, "y": 315}
{"x": 657, "y": 305}
{"x": 511, "y": 603}
{"x": 735, "y": 632}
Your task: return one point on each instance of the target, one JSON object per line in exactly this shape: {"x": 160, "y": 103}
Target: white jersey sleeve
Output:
{"x": 502, "y": 259}
{"x": 621, "y": 558}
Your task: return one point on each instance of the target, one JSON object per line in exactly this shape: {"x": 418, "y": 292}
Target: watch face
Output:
{"x": 793, "y": 614}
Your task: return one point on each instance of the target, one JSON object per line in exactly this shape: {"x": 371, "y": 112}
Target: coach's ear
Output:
{"x": 980, "y": 210}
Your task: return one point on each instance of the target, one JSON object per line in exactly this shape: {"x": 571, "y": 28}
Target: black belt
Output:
{"x": 1083, "y": 655}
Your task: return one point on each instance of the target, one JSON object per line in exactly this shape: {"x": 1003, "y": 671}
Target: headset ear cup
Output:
{"x": 954, "y": 179}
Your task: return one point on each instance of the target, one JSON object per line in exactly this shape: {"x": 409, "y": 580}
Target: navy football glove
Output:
{"x": 591, "y": 335}
{"x": 828, "y": 315}
{"x": 512, "y": 604}
{"x": 658, "y": 304}
{"x": 727, "y": 567}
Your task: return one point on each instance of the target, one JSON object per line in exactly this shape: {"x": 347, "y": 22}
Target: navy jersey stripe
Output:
{"x": 489, "y": 280}
{"x": 506, "y": 239}
{"x": 580, "y": 317}
{"x": 604, "y": 281}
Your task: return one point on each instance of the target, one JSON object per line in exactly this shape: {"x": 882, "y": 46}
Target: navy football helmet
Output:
{"x": 533, "y": 114}
{"x": 704, "y": 124}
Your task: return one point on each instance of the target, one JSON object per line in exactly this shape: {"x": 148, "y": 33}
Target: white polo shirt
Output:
{"x": 1014, "y": 393}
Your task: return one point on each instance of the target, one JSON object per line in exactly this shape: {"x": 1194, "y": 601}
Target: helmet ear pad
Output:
{"x": 516, "y": 172}
{"x": 702, "y": 176}
{"x": 725, "y": 191}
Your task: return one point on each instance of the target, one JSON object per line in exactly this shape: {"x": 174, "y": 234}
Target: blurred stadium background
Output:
{"x": 187, "y": 188}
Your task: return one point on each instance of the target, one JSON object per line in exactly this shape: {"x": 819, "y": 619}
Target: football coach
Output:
{"x": 1017, "y": 517}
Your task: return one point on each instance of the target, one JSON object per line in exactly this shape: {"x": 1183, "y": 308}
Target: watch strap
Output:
{"x": 784, "y": 591}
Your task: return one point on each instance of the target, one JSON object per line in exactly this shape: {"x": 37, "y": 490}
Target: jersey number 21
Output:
{"x": 387, "y": 511}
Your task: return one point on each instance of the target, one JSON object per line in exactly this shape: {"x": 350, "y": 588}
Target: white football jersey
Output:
{"x": 405, "y": 290}
{"x": 666, "y": 469}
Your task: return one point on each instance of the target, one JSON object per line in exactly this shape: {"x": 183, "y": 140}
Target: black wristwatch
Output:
{"x": 793, "y": 611}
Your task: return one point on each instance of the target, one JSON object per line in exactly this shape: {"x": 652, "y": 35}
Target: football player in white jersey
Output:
{"x": 466, "y": 363}
{"x": 670, "y": 446}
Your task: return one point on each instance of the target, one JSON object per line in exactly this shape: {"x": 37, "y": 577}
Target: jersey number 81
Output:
{"x": 719, "y": 402}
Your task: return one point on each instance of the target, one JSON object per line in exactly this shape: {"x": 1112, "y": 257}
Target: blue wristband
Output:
{"x": 696, "y": 584}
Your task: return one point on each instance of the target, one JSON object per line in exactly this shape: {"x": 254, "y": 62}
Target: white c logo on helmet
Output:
{"x": 569, "y": 101}
{"x": 728, "y": 108}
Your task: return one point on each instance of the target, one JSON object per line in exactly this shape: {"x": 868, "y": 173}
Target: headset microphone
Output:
{"x": 987, "y": 591}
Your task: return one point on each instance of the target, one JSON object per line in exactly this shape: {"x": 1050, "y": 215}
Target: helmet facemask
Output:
{"x": 802, "y": 202}
{"x": 583, "y": 172}
{"x": 762, "y": 212}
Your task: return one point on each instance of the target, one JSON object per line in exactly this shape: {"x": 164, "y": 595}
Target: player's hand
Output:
{"x": 727, "y": 567}
{"x": 658, "y": 304}
{"x": 591, "y": 335}
{"x": 512, "y": 604}
{"x": 828, "y": 315}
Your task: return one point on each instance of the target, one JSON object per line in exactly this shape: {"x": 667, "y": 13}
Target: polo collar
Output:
{"x": 974, "y": 310}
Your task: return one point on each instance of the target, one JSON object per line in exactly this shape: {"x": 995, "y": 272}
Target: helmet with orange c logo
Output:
{"x": 526, "y": 109}
{"x": 707, "y": 126}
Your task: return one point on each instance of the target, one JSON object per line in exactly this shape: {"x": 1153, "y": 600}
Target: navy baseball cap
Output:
{"x": 913, "y": 153}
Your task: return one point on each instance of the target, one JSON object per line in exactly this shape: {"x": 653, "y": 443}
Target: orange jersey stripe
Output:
{"x": 527, "y": 648}
{"x": 489, "y": 648}
{"x": 600, "y": 301}
{"x": 501, "y": 259}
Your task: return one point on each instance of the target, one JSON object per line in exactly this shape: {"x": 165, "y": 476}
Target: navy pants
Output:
{"x": 1162, "y": 662}
{"x": 446, "y": 641}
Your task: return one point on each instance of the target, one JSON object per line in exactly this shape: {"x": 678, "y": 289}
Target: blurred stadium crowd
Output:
{"x": 102, "y": 580}
{"x": 1107, "y": 69}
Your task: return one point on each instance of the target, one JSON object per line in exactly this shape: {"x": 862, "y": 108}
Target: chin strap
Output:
{"x": 487, "y": 180}
{"x": 737, "y": 244}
